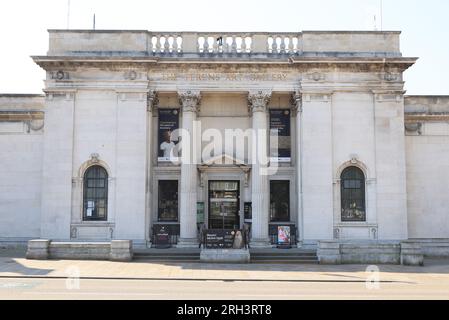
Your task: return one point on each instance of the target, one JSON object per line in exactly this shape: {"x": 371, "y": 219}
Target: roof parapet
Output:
{"x": 226, "y": 44}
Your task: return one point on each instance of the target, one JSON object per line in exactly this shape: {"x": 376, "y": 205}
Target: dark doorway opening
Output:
{"x": 224, "y": 204}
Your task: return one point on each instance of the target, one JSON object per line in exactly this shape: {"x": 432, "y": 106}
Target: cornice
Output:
{"x": 21, "y": 115}
{"x": 418, "y": 116}
{"x": 54, "y": 62}
{"x": 354, "y": 62}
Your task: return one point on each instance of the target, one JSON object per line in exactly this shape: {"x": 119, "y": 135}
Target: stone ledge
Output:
{"x": 335, "y": 252}
{"x": 225, "y": 255}
{"x": 116, "y": 250}
{"x": 38, "y": 249}
{"x": 411, "y": 254}
{"x": 121, "y": 250}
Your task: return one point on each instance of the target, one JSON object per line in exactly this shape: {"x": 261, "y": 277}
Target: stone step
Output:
{"x": 168, "y": 260}
{"x": 169, "y": 257}
{"x": 165, "y": 256}
{"x": 302, "y": 254}
{"x": 283, "y": 258}
{"x": 286, "y": 261}
{"x": 257, "y": 256}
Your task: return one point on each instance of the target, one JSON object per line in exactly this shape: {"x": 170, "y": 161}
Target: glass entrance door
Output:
{"x": 224, "y": 205}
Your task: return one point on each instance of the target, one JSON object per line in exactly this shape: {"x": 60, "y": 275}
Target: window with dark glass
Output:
{"x": 95, "y": 196}
{"x": 279, "y": 201}
{"x": 353, "y": 195}
{"x": 168, "y": 200}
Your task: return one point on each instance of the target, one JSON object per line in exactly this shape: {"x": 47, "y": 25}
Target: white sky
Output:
{"x": 424, "y": 26}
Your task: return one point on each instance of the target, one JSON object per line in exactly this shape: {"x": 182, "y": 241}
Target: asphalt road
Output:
{"x": 47, "y": 288}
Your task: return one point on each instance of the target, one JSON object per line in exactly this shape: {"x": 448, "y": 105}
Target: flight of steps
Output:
{"x": 274, "y": 256}
{"x": 167, "y": 255}
{"x": 294, "y": 256}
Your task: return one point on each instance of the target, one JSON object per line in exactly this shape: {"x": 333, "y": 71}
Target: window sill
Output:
{"x": 355, "y": 224}
{"x": 281, "y": 222}
{"x": 93, "y": 223}
{"x": 166, "y": 222}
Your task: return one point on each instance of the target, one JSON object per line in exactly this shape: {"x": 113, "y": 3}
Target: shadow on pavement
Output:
{"x": 9, "y": 264}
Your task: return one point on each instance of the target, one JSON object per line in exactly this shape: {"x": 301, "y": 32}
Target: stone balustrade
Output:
{"x": 224, "y": 43}
{"x": 167, "y": 43}
{"x": 283, "y": 43}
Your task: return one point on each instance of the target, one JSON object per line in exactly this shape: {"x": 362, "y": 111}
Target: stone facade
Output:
{"x": 344, "y": 90}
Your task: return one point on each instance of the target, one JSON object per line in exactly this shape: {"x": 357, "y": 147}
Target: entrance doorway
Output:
{"x": 224, "y": 204}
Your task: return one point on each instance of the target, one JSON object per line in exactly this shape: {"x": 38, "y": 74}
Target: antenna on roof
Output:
{"x": 381, "y": 15}
{"x": 94, "y": 21}
{"x": 68, "y": 14}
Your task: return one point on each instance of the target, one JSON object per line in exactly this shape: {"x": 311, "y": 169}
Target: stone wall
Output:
{"x": 21, "y": 140}
{"x": 427, "y": 149}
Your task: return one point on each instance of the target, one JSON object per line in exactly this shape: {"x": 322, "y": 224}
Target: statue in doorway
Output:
{"x": 238, "y": 240}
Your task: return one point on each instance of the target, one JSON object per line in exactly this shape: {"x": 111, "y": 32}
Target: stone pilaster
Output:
{"x": 258, "y": 102}
{"x": 56, "y": 204}
{"x": 297, "y": 111}
{"x": 189, "y": 101}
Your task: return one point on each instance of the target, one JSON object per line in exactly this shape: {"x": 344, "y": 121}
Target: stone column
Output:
{"x": 297, "y": 111}
{"x": 152, "y": 102}
{"x": 189, "y": 101}
{"x": 258, "y": 102}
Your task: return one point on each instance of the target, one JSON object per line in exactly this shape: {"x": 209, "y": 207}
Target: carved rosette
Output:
{"x": 259, "y": 100}
{"x": 296, "y": 102}
{"x": 190, "y": 100}
{"x": 152, "y": 100}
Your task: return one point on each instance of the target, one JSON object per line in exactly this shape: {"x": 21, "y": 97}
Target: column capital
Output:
{"x": 152, "y": 100}
{"x": 258, "y": 100}
{"x": 190, "y": 100}
{"x": 296, "y": 101}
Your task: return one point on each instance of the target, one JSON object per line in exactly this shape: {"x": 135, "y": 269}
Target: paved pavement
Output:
{"x": 74, "y": 279}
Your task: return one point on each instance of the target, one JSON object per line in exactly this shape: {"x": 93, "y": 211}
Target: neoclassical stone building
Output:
{"x": 99, "y": 155}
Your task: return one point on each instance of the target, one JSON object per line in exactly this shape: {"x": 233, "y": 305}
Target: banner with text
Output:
{"x": 167, "y": 135}
{"x": 280, "y": 126}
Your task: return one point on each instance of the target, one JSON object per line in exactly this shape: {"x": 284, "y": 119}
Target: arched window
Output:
{"x": 95, "y": 195}
{"x": 353, "y": 195}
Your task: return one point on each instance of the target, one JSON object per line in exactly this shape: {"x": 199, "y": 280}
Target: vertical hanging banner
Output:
{"x": 167, "y": 135}
{"x": 280, "y": 125}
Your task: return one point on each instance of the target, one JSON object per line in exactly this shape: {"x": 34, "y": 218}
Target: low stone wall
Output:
{"x": 370, "y": 253}
{"x": 434, "y": 248}
{"x": 373, "y": 252}
{"x": 79, "y": 250}
{"x": 116, "y": 250}
{"x": 225, "y": 255}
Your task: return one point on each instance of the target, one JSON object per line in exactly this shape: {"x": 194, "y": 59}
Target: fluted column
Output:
{"x": 258, "y": 102}
{"x": 152, "y": 102}
{"x": 189, "y": 101}
{"x": 297, "y": 111}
